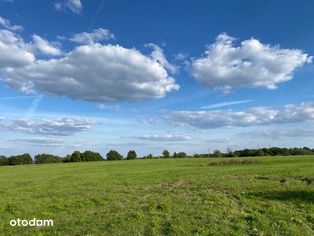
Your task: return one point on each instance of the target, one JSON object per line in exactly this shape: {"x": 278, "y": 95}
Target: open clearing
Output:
{"x": 265, "y": 196}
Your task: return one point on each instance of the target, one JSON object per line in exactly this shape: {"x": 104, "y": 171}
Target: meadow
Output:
{"x": 190, "y": 196}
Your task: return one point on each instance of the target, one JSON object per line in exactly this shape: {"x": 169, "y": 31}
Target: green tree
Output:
{"x": 4, "y": 161}
{"x": 180, "y": 155}
{"x": 23, "y": 159}
{"x": 67, "y": 158}
{"x": 166, "y": 154}
{"x": 131, "y": 155}
{"x": 91, "y": 156}
{"x": 217, "y": 153}
{"x": 76, "y": 157}
{"x": 114, "y": 155}
{"x": 149, "y": 156}
{"x": 47, "y": 158}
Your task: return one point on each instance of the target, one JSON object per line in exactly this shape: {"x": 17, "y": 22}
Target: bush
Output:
{"x": 24, "y": 159}
{"x": 47, "y": 158}
{"x": 114, "y": 155}
{"x": 131, "y": 155}
{"x": 91, "y": 156}
{"x": 4, "y": 161}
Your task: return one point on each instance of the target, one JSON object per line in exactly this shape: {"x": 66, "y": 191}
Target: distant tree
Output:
{"x": 91, "y": 156}
{"x": 229, "y": 153}
{"x": 149, "y": 156}
{"x": 131, "y": 155}
{"x": 67, "y": 158}
{"x": 260, "y": 153}
{"x": 114, "y": 155}
{"x": 217, "y": 153}
{"x": 23, "y": 159}
{"x": 76, "y": 157}
{"x": 47, "y": 158}
{"x": 4, "y": 161}
{"x": 179, "y": 155}
{"x": 166, "y": 154}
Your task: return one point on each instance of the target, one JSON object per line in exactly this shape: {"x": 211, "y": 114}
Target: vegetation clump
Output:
{"x": 114, "y": 155}
{"x": 131, "y": 155}
{"x": 233, "y": 162}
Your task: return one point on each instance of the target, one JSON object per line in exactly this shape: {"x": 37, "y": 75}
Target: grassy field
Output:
{"x": 269, "y": 196}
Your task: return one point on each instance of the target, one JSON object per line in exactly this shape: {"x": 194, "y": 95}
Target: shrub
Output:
{"x": 131, "y": 155}
{"x": 114, "y": 155}
{"x": 234, "y": 162}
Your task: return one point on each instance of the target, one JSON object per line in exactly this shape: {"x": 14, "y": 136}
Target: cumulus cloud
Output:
{"x": 40, "y": 141}
{"x": 7, "y": 25}
{"x": 73, "y": 5}
{"x": 14, "y": 51}
{"x": 251, "y": 117}
{"x": 94, "y": 73}
{"x": 97, "y": 35}
{"x": 167, "y": 138}
{"x": 45, "y": 47}
{"x": 58, "y": 127}
{"x": 251, "y": 64}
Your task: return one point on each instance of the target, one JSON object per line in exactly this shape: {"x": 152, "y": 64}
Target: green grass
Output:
{"x": 162, "y": 197}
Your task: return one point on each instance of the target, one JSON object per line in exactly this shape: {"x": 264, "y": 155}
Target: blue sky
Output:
{"x": 188, "y": 76}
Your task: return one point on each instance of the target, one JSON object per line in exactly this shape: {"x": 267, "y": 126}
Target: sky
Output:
{"x": 190, "y": 76}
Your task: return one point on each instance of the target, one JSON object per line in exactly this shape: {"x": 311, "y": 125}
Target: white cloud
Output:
{"x": 181, "y": 56}
{"x": 74, "y": 5}
{"x": 168, "y": 137}
{"x": 97, "y": 35}
{"x": 19, "y": 97}
{"x": 109, "y": 107}
{"x": 92, "y": 72}
{"x": 40, "y": 141}
{"x": 7, "y": 25}
{"x": 279, "y": 133}
{"x": 159, "y": 56}
{"x": 59, "y": 127}
{"x": 13, "y": 51}
{"x": 252, "y": 64}
{"x": 45, "y": 47}
{"x": 225, "y": 104}
{"x": 251, "y": 117}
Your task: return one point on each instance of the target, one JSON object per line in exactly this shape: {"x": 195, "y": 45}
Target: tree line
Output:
{"x": 78, "y": 156}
